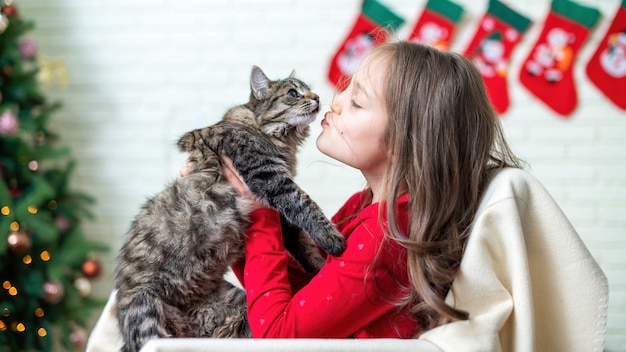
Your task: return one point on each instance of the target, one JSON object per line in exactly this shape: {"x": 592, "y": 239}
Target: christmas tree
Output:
{"x": 46, "y": 262}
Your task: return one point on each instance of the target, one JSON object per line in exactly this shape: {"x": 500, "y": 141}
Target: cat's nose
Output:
{"x": 316, "y": 99}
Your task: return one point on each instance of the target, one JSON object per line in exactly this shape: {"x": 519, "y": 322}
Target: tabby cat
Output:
{"x": 170, "y": 273}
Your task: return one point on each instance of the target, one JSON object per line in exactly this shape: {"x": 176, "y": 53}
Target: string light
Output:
{"x": 5, "y": 210}
{"x": 3, "y": 326}
{"x": 45, "y": 256}
{"x": 39, "y": 313}
{"x": 42, "y": 332}
{"x": 52, "y": 204}
{"x": 15, "y": 226}
{"x": 32, "y": 209}
{"x": 12, "y": 290}
{"x": 6, "y": 312}
{"x": 27, "y": 259}
{"x": 19, "y": 327}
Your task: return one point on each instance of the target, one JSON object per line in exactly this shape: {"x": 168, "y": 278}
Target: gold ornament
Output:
{"x": 51, "y": 71}
{"x": 83, "y": 286}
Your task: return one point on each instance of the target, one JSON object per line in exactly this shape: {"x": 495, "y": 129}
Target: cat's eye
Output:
{"x": 294, "y": 93}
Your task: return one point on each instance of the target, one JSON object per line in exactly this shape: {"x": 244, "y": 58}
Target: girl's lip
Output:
{"x": 324, "y": 121}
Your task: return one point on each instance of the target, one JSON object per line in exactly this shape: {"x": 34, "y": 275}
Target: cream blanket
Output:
{"x": 526, "y": 278}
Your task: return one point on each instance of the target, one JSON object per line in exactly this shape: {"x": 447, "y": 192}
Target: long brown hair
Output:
{"x": 443, "y": 138}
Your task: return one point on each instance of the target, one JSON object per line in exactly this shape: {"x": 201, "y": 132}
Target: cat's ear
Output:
{"x": 259, "y": 83}
{"x": 292, "y": 74}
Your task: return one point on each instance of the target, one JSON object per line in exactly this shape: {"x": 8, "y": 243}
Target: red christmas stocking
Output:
{"x": 435, "y": 26}
{"x": 501, "y": 28}
{"x": 547, "y": 71}
{"x": 607, "y": 67}
{"x": 366, "y": 33}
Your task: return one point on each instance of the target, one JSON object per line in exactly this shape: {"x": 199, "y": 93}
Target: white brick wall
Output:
{"x": 142, "y": 72}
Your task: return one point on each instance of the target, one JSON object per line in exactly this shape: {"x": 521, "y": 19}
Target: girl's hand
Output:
{"x": 186, "y": 170}
{"x": 235, "y": 179}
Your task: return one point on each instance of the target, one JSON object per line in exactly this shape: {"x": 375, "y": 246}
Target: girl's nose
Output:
{"x": 335, "y": 106}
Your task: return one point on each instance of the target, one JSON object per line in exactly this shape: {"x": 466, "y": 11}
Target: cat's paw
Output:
{"x": 333, "y": 243}
{"x": 185, "y": 143}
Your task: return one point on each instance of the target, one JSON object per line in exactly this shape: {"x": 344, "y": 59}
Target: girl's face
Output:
{"x": 354, "y": 128}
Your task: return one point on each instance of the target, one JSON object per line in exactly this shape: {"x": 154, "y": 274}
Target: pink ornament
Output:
{"x": 53, "y": 292}
{"x": 4, "y": 23}
{"x": 62, "y": 222}
{"x": 78, "y": 336}
{"x": 28, "y": 48}
{"x": 9, "y": 124}
{"x": 19, "y": 242}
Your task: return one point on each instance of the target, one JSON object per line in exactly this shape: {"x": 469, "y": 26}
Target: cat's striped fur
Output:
{"x": 169, "y": 277}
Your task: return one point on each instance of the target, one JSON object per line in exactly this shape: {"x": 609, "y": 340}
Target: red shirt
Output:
{"x": 351, "y": 296}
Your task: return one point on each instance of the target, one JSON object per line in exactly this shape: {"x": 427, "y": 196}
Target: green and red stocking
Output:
{"x": 436, "y": 25}
{"x": 367, "y": 33}
{"x": 547, "y": 71}
{"x": 499, "y": 31}
{"x": 607, "y": 67}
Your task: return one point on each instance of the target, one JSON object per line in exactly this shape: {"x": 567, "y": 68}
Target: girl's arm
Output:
{"x": 342, "y": 299}
{"x": 298, "y": 277}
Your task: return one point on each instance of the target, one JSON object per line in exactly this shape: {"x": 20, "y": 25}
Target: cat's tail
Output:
{"x": 141, "y": 318}
{"x": 236, "y": 321}
{"x": 223, "y": 315}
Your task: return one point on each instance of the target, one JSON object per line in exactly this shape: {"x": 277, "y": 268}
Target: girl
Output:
{"x": 419, "y": 126}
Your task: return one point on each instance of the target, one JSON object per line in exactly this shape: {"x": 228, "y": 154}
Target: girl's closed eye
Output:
{"x": 354, "y": 104}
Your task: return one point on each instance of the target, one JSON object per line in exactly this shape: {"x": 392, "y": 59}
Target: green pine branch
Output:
{"x": 37, "y": 203}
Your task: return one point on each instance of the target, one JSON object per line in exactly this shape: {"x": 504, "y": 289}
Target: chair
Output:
{"x": 526, "y": 278}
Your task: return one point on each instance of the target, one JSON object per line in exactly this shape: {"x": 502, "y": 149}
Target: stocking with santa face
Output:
{"x": 607, "y": 67}
{"x": 436, "y": 25}
{"x": 547, "y": 71}
{"x": 367, "y": 32}
{"x": 499, "y": 31}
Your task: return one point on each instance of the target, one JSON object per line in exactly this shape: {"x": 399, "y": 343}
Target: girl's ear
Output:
{"x": 259, "y": 83}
